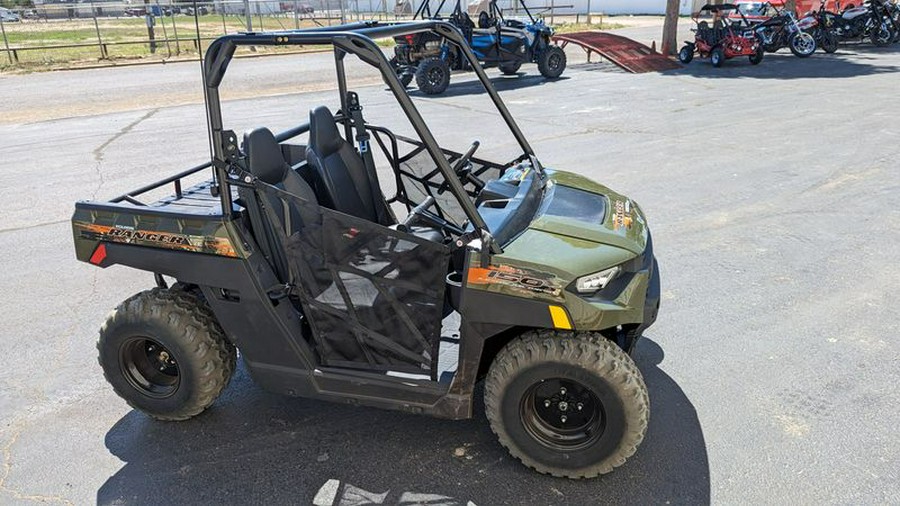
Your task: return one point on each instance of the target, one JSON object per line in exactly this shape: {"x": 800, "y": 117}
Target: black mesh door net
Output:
{"x": 373, "y": 296}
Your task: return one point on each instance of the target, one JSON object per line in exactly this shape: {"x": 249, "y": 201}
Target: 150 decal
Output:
{"x": 522, "y": 280}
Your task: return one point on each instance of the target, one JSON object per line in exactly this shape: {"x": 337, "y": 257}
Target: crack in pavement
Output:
{"x": 98, "y": 151}
{"x": 36, "y": 225}
{"x": 7, "y": 468}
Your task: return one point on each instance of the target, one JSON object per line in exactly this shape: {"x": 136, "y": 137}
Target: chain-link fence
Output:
{"x": 86, "y": 31}
{"x": 63, "y": 34}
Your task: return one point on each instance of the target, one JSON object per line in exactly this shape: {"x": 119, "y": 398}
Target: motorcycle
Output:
{"x": 815, "y": 23}
{"x": 783, "y": 30}
{"x": 892, "y": 10}
{"x": 860, "y": 23}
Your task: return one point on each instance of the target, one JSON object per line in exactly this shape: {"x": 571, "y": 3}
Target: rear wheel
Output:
{"x": 717, "y": 57}
{"x": 571, "y": 405}
{"x": 164, "y": 354}
{"x": 433, "y": 76}
{"x": 802, "y": 44}
{"x": 552, "y": 62}
{"x": 404, "y": 75}
{"x": 882, "y": 35}
{"x": 829, "y": 42}
{"x": 686, "y": 55}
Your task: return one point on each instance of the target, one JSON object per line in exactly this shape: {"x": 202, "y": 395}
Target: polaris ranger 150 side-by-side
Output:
{"x": 291, "y": 254}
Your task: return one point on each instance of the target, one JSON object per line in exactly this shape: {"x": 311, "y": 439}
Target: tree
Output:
{"x": 670, "y": 28}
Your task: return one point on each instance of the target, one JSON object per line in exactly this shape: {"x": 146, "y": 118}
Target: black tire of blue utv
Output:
{"x": 510, "y": 69}
{"x": 433, "y": 76}
{"x": 404, "y": 77}
{"x": 181, "y": 324}
{"x": 552, "y": 62}
{"x": 717, "y": 57}
{"x": 686, "y": 55}
{"x": 540, "y": 358}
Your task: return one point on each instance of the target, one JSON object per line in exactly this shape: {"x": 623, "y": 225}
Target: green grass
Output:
{"x": 115, "y": 31}
{"x": 583, "y": 27}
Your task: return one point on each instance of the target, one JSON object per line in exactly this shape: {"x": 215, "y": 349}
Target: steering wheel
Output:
{"x": 460, "y": 167}
{"x": 420, "y": 212}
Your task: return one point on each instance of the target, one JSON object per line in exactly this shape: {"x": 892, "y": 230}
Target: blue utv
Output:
{"x": 495, "y": 41}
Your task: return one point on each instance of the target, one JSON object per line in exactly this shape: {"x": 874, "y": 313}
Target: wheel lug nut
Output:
{"x": 547, "y": 403}
{"x": 562, "y": 391}
{"x": 563, "y": 419}
{"x": 580, "y": 406}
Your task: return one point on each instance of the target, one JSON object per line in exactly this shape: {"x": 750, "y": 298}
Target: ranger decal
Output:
{"x": 194, "y": 243}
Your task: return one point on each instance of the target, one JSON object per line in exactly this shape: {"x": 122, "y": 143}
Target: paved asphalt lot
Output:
{"x": 772, "y": 192}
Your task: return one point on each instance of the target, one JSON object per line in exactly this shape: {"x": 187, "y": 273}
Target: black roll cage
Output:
{"x": 357, "y": 39}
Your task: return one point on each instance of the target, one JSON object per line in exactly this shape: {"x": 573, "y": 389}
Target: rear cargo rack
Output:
{"x": 130, "y": 196}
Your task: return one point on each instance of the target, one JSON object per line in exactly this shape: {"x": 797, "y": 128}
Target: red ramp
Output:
{"x": 628, "y": 54}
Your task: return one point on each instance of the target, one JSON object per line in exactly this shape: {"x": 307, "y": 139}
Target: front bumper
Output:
{"x": 630, "y": 301}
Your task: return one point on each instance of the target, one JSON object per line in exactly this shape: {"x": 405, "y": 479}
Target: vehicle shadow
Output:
{"x": 255, "y": 447}
{"x": 846, "y": 63}
{"x": 467, "y": 84}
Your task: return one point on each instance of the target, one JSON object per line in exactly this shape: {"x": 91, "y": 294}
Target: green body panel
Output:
{"x": 134, "y": 226}
{"x": 542, "y": 262}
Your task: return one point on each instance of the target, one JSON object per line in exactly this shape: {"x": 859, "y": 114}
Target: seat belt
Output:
{"x": 362, "y": 142}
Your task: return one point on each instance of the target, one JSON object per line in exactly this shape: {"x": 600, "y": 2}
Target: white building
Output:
{"x": 614, "y": 7}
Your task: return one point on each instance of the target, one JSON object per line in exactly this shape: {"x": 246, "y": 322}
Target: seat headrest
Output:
{"x": 324, "y": 137}
{"x": 264, "y": 158}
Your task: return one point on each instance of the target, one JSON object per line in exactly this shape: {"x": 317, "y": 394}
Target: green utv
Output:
{"x": 539, "y": 282}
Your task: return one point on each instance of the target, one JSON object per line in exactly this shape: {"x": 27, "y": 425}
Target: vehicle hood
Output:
{"x": 577, "y": 207}
{"x": 581, "y": 227}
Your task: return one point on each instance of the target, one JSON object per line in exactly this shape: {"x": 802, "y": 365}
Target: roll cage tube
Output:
{"x": 357, "y": 39}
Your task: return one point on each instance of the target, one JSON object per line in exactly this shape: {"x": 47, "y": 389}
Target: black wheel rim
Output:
{"x": 435, "y": 76}
{"x": 149, "y": 367}
{"x": 554, "y": 61}
{"x": 563, "y": 414}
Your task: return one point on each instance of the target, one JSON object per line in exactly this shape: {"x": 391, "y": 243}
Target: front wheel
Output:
{"x": 757, "y": 57}
{"x": 686, "y": 55}
{"x": 164, "y": 353}
{"x": 568, "y": 404}
{"x": 717, "y": 57}
{"x": 552, "y": 62}
{"x": 433, "y": 76}
{"x": 510, "y": 69}
{"x": 802, "y": 44}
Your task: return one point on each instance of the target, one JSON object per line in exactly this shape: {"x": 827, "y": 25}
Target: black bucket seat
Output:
{"x": 342, "y": 180}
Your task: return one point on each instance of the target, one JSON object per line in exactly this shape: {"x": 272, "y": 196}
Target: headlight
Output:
{"x": 597, "y": 281}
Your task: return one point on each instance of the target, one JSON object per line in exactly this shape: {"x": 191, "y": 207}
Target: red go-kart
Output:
{"x": 728, "y": 37}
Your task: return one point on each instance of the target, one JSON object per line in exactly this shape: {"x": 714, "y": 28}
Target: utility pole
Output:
{"x": 249, "y": 15}
{"x": 670, "y": 28}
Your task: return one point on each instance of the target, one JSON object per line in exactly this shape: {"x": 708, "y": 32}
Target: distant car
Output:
{"x": 9, "y": 16}
{"x": 301, "y": 8}
{"x": 201, "y": 10}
